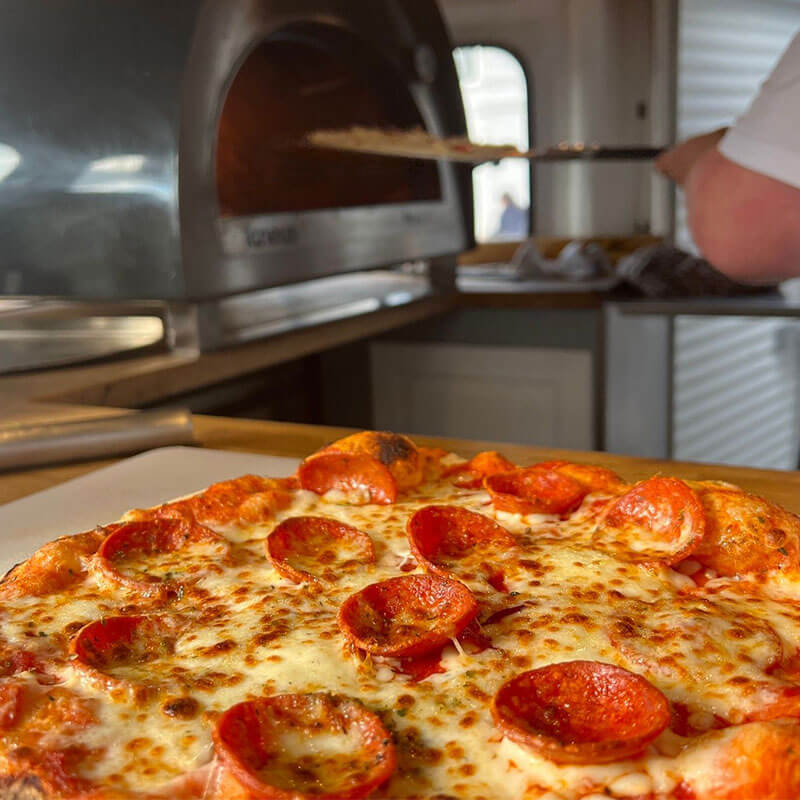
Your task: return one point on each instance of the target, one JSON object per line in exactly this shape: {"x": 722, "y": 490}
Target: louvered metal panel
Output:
{"x": 725, "y": 50}
{"x": 736, "y": 391}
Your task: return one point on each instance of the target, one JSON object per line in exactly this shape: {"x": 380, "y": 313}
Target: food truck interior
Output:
{"x": 173, "y": 240}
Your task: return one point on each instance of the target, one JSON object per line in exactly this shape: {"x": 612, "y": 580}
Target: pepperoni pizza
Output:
{"x": 399, "y": 622}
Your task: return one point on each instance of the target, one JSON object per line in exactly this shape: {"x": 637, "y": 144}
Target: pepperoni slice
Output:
{"x": 315, "y": 548}
{"x": 48, "y": 654}
{"x": 471, "y": 474}
{"x": 581, "y": 712}
{"x": 156, "y": 546}
{"x": 431, "y": 460}
{"x": 773, "y": 701}
{"x": 745, "y": 533}
{"x": 11, "y": 697}
{"x": 14, "y": 661}
{"x": 407, "y": 616}
{"x": 249, "y": 499}
{"x": 534, "y": 490}
{"x": 295, "y": 746}
{"x": 371, "y": 465}
{"x": 112, "y": 650}
{"x": 359, "y": 476}
{"x": 51, "y": 773}
{"x": 451, "y": 541}
{"x": 395, "y": 451}
{"x": 270, "y": 498}
{"x": 53, "y": 567}
{"x": 759, "y": 761}
{"x": 688, "y": 721}
{"x": 660, "y": 519}
{"x": 595, "y": 479}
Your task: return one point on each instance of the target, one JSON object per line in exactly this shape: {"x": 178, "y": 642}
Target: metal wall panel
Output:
{"x": 725, "y": 50}
{"x": 736, "y": 391}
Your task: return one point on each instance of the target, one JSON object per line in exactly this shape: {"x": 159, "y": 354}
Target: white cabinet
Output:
{"x": 538, "y": 396}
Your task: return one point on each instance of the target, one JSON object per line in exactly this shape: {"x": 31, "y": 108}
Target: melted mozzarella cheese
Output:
{"x": 249, "y": 632}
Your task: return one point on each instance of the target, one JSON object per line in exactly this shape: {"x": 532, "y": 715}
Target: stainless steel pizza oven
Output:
{"x": 154, "y": 150}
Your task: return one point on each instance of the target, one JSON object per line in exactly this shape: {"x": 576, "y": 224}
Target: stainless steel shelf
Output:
{"x": 40, "y": 334}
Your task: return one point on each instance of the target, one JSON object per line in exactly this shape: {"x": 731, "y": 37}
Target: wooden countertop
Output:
{"x": 287, "y": 439}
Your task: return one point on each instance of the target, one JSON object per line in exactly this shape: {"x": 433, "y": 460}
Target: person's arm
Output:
{"x": 745, "y": 223}
{"x": 678, "y": 162}
{"x": 743, "y": 188}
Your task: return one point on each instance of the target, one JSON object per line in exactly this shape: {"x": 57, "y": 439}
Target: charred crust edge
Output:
{"x": 392, "y": 447}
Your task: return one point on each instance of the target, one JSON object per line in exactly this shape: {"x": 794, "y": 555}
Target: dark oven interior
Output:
{"x": 302, "y": 78}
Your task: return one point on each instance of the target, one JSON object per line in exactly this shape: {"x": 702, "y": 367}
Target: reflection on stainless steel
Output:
{"x": 9, "y": 160}
{"x": 255, "y": 315}
{"x": 38, "y": 335}
{"x": 61, "y": 234}
{"x": 472, "y": 284}
{"x": 126, "y": 174}
{"x": 50, "y": 443}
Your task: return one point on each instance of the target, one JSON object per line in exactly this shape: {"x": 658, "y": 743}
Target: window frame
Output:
{"x": 530, "y": 94}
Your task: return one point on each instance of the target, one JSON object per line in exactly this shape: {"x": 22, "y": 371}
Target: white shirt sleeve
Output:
{"x": 766, "y": 138}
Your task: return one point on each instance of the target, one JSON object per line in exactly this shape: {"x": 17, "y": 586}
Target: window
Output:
{"x": 495, "y": 93}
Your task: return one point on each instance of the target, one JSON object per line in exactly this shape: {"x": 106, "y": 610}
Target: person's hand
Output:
{"x": 678, "y": 162}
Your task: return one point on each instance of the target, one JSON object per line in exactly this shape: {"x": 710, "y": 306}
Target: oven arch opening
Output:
{"x": 301, "y": 78}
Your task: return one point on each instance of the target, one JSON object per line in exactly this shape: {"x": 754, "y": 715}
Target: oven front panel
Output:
{"x": 261, "y": 208}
